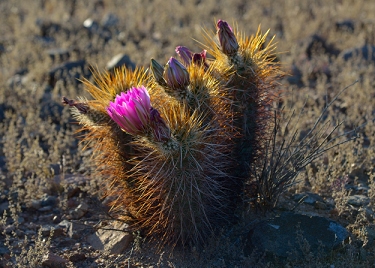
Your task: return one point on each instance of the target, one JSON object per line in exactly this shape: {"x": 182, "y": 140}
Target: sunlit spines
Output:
{"x": 108, "y": 84}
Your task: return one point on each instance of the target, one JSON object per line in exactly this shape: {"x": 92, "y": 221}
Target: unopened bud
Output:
{"x": 227, "y": 39}
{"x": 189, "y": 57}
{"x": 176, "y": 75}
{"x": 200, "y": 58}
{"x": 185, "y": 54}
{"x": 160, "y": 130}
{"x": 157, "y": 71}
{"x": 81, "y": 106}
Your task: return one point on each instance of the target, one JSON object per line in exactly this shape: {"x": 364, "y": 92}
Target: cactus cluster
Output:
{"x": 175, "y": 143}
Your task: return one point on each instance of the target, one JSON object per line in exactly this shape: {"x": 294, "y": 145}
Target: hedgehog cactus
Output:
{"x": 248, "y": 64}
{"x": 170, "y": 142}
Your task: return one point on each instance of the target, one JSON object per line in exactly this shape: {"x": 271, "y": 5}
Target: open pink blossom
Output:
{"x": 131, "y": 110}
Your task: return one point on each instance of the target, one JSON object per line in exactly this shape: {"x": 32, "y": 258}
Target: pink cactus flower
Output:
{"x": 131, "y": 110}
{"x": 227, "y": 39}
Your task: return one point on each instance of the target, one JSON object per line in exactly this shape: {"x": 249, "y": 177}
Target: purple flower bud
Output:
{"x": 188, "y": 57}
{"x": 200, "y": 58}
{"x": 83, "y": 108}
{"x": 176, "y": 75}
{"x": 161, "y": 131}
{"x": 228, "y": 41}
{"x": 131, "y": 110}
{"x": 185, "y": 54}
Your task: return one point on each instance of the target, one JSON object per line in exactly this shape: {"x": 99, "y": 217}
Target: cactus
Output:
{"x": 249, "y": 66}
{"x": 175, "y": 144}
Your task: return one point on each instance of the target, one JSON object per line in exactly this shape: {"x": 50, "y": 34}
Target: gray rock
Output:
{"x": 48, "y": 201}
{"x": 120, "y": 60}
{"x": 79, "y": 211}
{"x": 277, "y": 237}
{"x": 358, "y": 200}
{"x": 110, "y": 240}
{"x": 321, "y": 205}
{"x": 45, "y": 209}
{"x": 72, "y": 229}
{"x": 35, "y": 204}
{"x": 308, "y": 198}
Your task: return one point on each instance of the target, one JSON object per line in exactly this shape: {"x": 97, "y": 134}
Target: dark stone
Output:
{"x": 358, "y": 200}
{"x": 2, "y": 117}
{"x": 120, "y": 60}
{"x": 55, "y": 168}
{"x": 66, "y": 70}
{"x": 21, "y": 71}
{"x": 48, "y": 201}
{"x": 295, "y": 76}
{"x": 277, "y": 237}
{"x": 47, "y": 28}
{"x": 316, "y": 44}
{"x": 45, "y": 209}
{"x": 345, "y": 25}
{"x": 77, "y": 257}
{"x": 308, "y": 198}
{"x": 58, "y": 54}
{"x": 366, "y": 52}
{"x": 109, "y": 20}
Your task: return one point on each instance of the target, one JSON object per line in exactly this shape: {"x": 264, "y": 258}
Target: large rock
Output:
{"x": 277, "y": 237}
{"x": 113, "y": 241}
